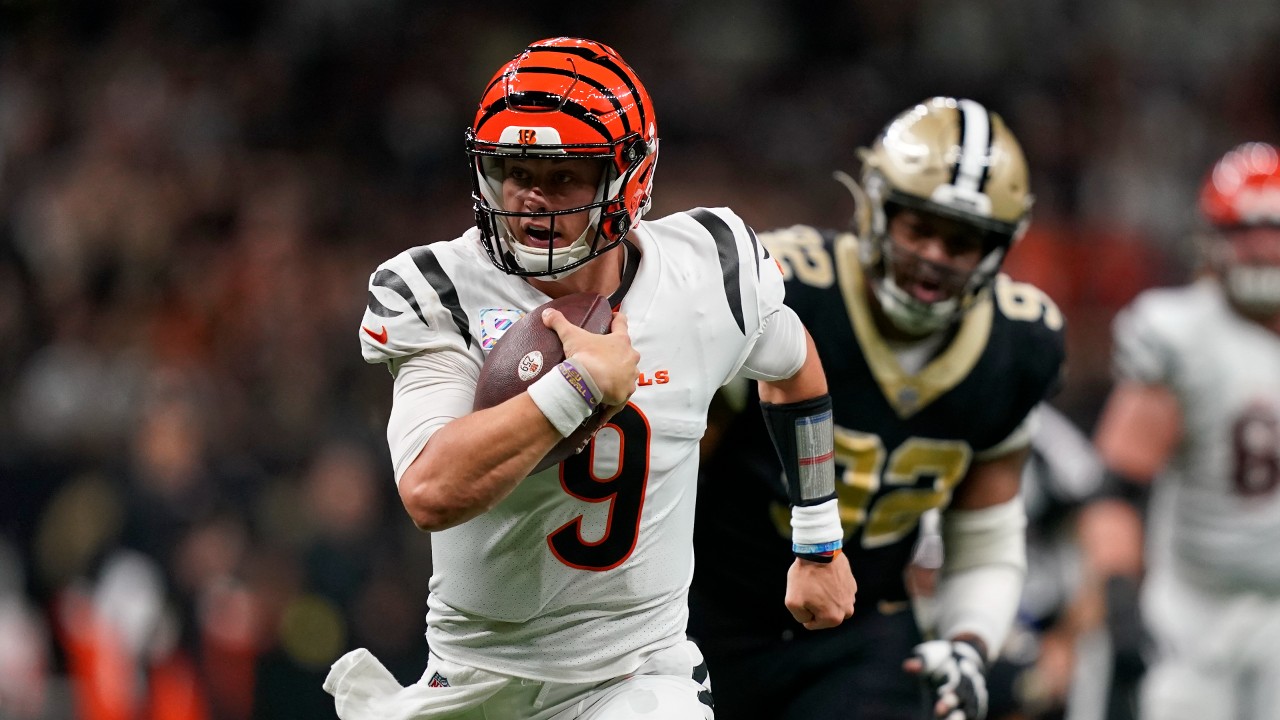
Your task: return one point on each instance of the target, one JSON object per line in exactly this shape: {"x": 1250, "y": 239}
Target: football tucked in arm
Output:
{"x": 528, "y": 350}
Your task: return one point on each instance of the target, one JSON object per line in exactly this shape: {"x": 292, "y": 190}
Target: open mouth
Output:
{"x": 926, "y": 281}
{"x": 931, "y": 290}
{"x": 928, "y": 291}
{"x": 540, "y": 236}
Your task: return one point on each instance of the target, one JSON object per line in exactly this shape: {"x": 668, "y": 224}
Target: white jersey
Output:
{"x": 1225, "y": 372}
{"x": 585, "y": 567}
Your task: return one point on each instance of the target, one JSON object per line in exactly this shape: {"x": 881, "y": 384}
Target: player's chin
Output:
{"x": 541, "y": 240}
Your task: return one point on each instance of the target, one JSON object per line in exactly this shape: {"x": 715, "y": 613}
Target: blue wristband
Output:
{"x": 828, "y": 547}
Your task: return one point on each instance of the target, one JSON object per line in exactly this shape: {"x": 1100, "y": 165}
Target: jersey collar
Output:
{"x": 906, "y": 393}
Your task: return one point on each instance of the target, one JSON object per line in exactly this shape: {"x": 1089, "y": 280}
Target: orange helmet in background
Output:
{"x": 563, "y": 96}
{"x": 1240, "y": 200}
{"x": 1243, "y": 189}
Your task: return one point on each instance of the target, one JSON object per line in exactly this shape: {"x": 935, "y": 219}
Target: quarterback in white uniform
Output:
{"x": 563, "y": 594}
{"x": 1197, "y": 403}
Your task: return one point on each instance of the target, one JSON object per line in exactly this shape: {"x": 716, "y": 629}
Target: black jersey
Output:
{"x": 902, "y": 442}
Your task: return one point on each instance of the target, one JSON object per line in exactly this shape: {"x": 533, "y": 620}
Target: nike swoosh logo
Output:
{"x": 380, "y": 336}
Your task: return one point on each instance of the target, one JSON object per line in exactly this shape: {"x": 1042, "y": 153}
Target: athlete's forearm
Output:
{"x": 799, "y": 415}
{"x": 1139, "y": 429}
{"x": 983, "y": 573}
{"x": 471, "y": 464}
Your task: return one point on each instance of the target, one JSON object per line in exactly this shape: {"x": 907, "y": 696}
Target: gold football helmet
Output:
{"x": 955, "y": 159}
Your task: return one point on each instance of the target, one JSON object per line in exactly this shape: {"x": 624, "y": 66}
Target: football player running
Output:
{"x": 1197, "y": 403}
{"x": 935, "y": 362}
{"x": 564, "y": 594}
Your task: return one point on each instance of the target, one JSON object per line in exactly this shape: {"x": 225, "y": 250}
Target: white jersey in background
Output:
{"x": 584, "y": 568}
{"x": 1211, "y": 598}
{"x": 1225, "y": 373}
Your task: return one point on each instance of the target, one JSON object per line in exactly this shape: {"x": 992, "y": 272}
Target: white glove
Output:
{"x": 956, "y": 672}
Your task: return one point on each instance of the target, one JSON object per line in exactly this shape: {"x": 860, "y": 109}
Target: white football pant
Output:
{"x": 662, "y": 688}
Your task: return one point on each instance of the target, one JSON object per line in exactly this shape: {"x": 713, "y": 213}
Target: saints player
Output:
{"x": 563, "y": 594}
{"x": 1197, "y": 403}
{"x": 935, "y": 362}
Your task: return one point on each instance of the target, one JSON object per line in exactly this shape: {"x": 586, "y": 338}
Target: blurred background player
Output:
{"x": 935, "y": 363}
{"x": 563, "y": 592}
{"x": 1197, "y": 404}
{"x": 1071, "y": 652}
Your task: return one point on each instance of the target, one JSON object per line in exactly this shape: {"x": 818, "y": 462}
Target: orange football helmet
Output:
{"x": 1243, "y": 189}
{"x": 563, "y": 96}
{"x": 1240, "y": 200}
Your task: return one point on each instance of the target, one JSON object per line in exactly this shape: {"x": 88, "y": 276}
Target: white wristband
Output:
{"x": 561, "y": 400}
{"x": 816, "y": 524}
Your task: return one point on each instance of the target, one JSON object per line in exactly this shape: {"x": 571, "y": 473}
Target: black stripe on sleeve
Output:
{"x": 755, "y": 249}
{"x": 430, "y": 268}
{"x": 377, "y": 308}
{"x": 390, "y": 280}
{"x": 727, "y": 247}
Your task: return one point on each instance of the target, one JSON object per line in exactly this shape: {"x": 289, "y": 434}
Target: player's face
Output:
{"x": 1251, "y": 270}
{"x": 547, "y": 184}
{"x": 932, "y": 256}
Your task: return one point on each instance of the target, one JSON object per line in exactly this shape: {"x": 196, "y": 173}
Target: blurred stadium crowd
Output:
{"x": 194, "y": 489}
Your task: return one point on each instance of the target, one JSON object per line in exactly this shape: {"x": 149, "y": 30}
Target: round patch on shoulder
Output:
{"x": 530, "y": 365}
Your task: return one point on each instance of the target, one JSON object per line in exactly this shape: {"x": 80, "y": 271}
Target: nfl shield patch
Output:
{"x": 494, "y": 322}
{"x": 438, "y": 680}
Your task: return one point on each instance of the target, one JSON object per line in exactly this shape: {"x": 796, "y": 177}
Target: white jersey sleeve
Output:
{"x": 406, "y": 314}
{"x": 416, "y": 324}
{"x": 1146, "y": 341}
{"x": 431, "y": 389}
{"x": 753, "y": 280}
{"x": 781, "y": 350}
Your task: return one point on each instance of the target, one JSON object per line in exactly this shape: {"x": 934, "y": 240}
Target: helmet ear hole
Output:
{"x": 636, "y": 150}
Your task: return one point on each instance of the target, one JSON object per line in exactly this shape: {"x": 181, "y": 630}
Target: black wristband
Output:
{"x": 802, "y": 435}
{"x": 1133, "y": 491}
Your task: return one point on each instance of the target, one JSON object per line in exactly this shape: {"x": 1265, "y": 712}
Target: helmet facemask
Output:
{"x": 892, "y": 269}
{"x": 498, "y": 226}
